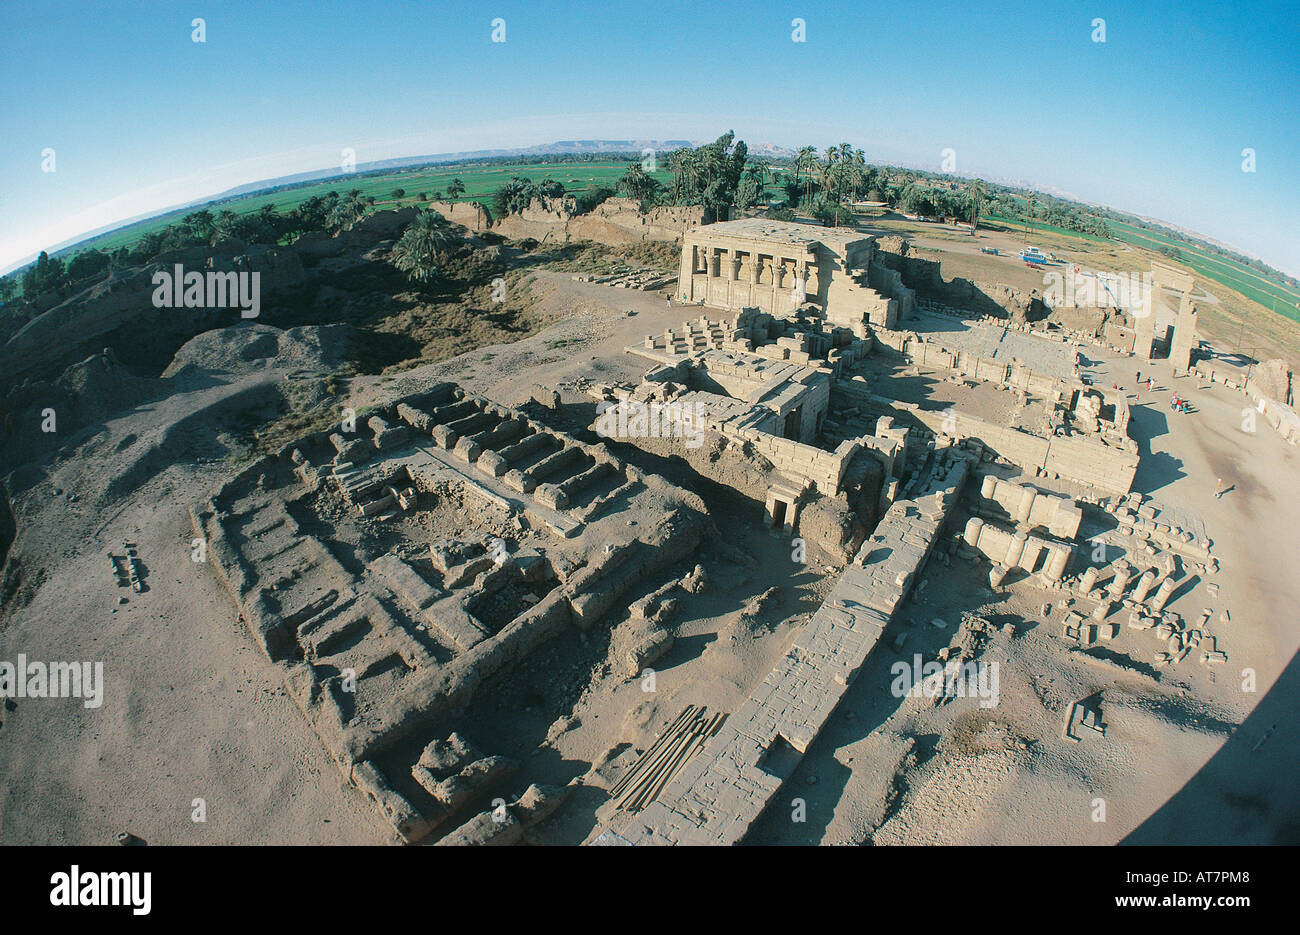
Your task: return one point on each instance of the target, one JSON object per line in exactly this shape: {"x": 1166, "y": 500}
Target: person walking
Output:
{"x": 1219, "y": 489}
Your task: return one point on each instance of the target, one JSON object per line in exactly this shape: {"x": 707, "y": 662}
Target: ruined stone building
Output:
{"x": 777, "y": 266}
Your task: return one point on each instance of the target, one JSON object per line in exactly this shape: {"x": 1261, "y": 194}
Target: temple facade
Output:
{"x": 778, "y": 266}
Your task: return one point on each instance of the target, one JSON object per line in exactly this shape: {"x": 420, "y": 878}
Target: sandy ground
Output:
{"x": 1182, "y": 761}
{"x": 192, "y": 711}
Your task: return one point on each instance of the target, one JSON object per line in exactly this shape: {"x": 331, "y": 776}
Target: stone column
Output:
{"x": 686, "y": 269}
{"x": 1026, "y": 504}
{"x": 1015, "y": 549}
{"x": 1162, "y": 595}
{"x": 1119, "y": 582}
{"x": 1144, "y": 585}
{"x": 810, "y": 277}
{"x": 1057, "y": 563}
{"x": 1089, "y": 580}
{"x": 800, "y": 285}
{"x": 1029, "y": 557}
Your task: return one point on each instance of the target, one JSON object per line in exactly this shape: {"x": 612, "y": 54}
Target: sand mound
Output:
{"x": 247, "y": 347}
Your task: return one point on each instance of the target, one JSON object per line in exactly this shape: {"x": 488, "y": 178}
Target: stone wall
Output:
{"x": 1013, "y": 376}
{"x": 979, "y": 298}
{"x": 615, "y": 221}
{"x": 1083, "y": 459}
{"x": 618, "y": 221}
{"x": 471, "y": 215}
{"x": 1026, "y": 505}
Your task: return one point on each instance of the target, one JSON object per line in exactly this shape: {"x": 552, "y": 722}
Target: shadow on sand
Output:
{"x": 1247, "y": 792}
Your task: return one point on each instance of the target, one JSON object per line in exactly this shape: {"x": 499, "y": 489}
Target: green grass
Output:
{"x": 480, "y": 182}
{"x": 1251, "y": 283}
{"x": 1039, "y": 227}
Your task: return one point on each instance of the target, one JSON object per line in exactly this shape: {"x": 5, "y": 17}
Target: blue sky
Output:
{"x": 1152, "y": 121}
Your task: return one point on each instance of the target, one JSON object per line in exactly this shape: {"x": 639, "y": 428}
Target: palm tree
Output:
{"x": 636, "y": 183}
{"x": 826, "y": 169}
{"x": 859, "y": 173}
{"x": 423, "y": 245}
{"x": 803, "y": 167}
{"x": 844, "y": 169}
{"x": 347, "y": 212}
{"x": 975, "y": 198}
{"x": 677, "y": 166}
{"x": 454, "y": 188}
{"x": 225, "y": 225}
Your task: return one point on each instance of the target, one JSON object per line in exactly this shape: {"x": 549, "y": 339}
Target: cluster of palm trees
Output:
{"x": 424, "y": 246}
{"x": 638, "y": 184}
{"x": 348, "y": 210}
{"x": 709, "y": 175}
{"x": 841, "y": 174}
{"x": 1060, "y": 214}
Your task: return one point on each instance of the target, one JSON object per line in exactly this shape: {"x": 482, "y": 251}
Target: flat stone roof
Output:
{"x": 785, "y": 232}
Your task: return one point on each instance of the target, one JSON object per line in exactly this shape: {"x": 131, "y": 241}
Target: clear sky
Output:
{"x": 1154, "y": 120}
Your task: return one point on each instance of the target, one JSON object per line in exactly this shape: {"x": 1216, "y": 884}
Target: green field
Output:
{"x": 480, "y": 181}
{"x": 1251, "y": 283}
{"x": 1039, "y": 227}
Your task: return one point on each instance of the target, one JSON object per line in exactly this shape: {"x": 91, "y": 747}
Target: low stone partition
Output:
{"x": 1026, "y": 505}
{"x": 1010, "y": 375}
{"x": 1009, "y": 548}
{"x": 806, "y": 462}
{"x": 1080, "y": 458}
